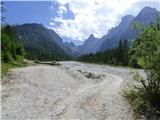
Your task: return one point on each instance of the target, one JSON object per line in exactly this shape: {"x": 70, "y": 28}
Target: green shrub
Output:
{"x": 146, "y": 53}
{"x": 4, "y": 69}
{"x": 140, "y": 105}
{"x": 36, "y": 61}
{"x": 144, "y": 96}
{"x": 11, "y": 49}
{"x": 19, "y": 58}
{"x": 54, "y": 62}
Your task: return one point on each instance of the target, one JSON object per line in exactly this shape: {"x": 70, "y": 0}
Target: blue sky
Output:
{"x": 74, "y": 20}
{"x": 19, "y": 12}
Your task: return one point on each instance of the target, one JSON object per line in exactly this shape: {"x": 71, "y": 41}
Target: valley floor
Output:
{"x": 72, "y": 91}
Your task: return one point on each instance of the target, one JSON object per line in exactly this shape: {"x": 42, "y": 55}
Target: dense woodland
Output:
{"x": 115, "y": 56}
{"x": 12, "y": 51}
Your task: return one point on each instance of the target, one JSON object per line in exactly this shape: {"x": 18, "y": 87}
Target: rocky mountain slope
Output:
{"x": 125, "y": 29}
{"x": 40, "y": 42}
{"x": 91, "y": 45}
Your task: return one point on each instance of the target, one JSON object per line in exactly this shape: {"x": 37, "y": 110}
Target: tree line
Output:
{"x": 115, "y": 56}
{"x": 11, "y": 49}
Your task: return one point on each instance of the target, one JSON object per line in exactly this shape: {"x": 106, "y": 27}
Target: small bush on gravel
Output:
{"x": 36, "y": 61}
{"x": 54, "y": 62}
{"x": 136, "y": 99}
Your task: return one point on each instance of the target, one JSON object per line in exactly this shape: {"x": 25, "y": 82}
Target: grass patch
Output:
{"x": 138, "y": 103}
{"x": 53, "y": 62}
{"x": 5, "y": 67}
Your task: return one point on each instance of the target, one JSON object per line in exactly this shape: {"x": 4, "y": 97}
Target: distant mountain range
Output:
{"x": 41, "y": 43}
{"x": 125, "y": 29}
{"x": 92, "y": 44}
{"x": 36, "y": 37}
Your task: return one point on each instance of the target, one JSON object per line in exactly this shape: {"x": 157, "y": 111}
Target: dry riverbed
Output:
{"x": 72, "y": 91}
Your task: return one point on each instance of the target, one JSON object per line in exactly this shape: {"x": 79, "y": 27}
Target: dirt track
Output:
{"x": 72, "y": 91}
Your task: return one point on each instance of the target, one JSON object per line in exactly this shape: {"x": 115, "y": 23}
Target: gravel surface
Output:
{"x": 72, "y": 91}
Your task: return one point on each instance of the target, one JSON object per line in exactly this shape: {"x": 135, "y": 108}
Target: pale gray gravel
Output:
{"x": 72, "y": 91}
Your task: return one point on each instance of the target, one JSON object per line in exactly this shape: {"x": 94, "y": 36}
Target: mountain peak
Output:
{"x": 147, "y": 10}
{"x": 146, "y": 16}
{"x": 91, "y": 36}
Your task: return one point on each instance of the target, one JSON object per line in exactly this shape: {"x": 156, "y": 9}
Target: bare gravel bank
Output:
{"x": 72, "y": 91}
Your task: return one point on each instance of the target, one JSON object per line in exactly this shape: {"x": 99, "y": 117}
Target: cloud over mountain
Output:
{"x": 77, "y": 19}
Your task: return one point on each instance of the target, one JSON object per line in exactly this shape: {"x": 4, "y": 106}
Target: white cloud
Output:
{"x": 62, "y": 9}
{"x": 51, "y": 23}
{"x": 93, "y": 16}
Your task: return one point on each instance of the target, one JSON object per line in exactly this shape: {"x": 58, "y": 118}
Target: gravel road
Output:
{"x": 72, "y": 91}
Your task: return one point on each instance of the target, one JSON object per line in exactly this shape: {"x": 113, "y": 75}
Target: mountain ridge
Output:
{"x": 90, "y": 45}
{"x": 38, "y": 42}
{"x": 124, "y": 30}
{"x": 145, "y": 17}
